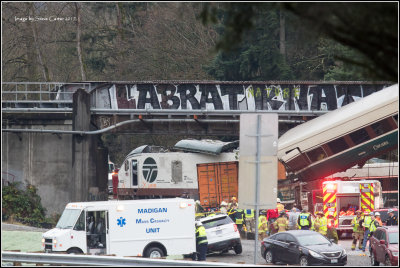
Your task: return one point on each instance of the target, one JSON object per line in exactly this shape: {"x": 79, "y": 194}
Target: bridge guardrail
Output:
{"x": 93, "y": 260}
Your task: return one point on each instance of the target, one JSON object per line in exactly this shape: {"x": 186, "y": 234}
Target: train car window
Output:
{"x": 134, "y": 173}
{"x": 381, "y": 127}
{"x": 338, "y": 145}
{"x": 396, "y": 119}
{"x": 316, "y": 154}
{"x": 359, "y": 136}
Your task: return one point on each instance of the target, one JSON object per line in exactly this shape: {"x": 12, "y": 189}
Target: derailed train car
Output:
{"x": 204, "y": 170}
{"x": 342, "y": 138}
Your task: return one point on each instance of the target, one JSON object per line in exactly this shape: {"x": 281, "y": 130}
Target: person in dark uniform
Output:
{"x": 201, "y": 242}
{"x": 392, "y": 220}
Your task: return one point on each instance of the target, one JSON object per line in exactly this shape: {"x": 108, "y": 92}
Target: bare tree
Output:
{"x": 78, "y": 40}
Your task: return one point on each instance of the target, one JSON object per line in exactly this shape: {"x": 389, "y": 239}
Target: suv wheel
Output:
{"x": 238, "y": 249}
{"x": 373, "y": 260}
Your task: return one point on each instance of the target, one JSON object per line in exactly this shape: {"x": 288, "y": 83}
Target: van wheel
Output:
{"x": 154, "y": 252}
{"x": 74, "y": 251}
{"x": 238, "y": 249}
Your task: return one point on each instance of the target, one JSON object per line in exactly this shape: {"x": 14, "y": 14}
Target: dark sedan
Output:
{"x": 302, "y": 247}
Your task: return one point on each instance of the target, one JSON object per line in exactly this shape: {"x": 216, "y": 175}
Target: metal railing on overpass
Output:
{"x": 94, "y": 260}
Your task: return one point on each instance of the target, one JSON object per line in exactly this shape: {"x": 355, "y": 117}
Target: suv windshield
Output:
{"x": 68, "y": 218}
{"x": 216, "y": 222}
{"x": 394, "y": 238}
{"x": 313, "y": 239}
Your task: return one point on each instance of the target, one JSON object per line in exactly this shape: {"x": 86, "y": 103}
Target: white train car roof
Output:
{"x": 295, "y": 136}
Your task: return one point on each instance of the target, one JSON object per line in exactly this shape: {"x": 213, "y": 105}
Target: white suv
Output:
{"x": 222, "y": 234}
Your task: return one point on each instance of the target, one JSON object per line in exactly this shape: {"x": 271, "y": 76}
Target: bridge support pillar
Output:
{"x": 89, "y": 158}
{"x": 80, "y": 146}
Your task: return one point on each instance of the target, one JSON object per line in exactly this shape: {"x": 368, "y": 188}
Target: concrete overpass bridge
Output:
{"x": 51, "y": 131}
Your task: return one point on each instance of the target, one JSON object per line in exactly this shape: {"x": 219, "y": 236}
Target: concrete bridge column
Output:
{"x": 89, "y": 157}
{"x": 80, "y": 146}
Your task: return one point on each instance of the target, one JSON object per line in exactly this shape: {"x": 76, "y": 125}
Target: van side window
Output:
{"x": 316, "y": 154}
{"x": 134, "y": 173}
{"x": 126, "y": 165}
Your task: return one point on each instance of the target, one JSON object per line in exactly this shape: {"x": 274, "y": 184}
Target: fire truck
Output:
{"x": 342, "y": 199}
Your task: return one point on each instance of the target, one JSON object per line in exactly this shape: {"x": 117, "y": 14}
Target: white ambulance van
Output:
{"x": 149, "y": 228}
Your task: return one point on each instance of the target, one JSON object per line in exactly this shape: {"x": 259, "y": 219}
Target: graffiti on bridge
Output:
{"x": 230, "y": 96}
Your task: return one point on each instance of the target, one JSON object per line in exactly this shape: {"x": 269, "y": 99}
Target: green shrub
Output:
{"x": 24, "y": 206}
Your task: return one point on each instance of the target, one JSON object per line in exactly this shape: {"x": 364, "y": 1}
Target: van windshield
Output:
{"x": 68, "y": 218}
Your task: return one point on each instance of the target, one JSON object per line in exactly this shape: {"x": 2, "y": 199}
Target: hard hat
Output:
{"x": 358, "y": 211}
{"x": 390, "y": 211}
{"x": 278, "y": 200}
{"x": 377, "y": 214}
{"x": 223, "y": 203}
{"x": 198, "y": 223}
{"x": 320, "y": 213}
{"x": 233, "y": 198}
{"x": 197, "y": 201}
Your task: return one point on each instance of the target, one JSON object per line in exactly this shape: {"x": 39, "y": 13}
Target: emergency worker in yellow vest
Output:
{"x": 322, "y": 223}
{"x": 239, "y": 218}
{"x": 249, "y": 220}
{"x": 279, "y": 205}
{"x": 262, "y": 227}
{"x": 282, "y": 223}
{"x": 358, "y": 231}
{"x": 331, "y": 232}
{"x": 232, "y": 213}
{"x": 366, "y": 224}
{"x": 304, "y": 220}
{"x": 372, "y": 228}
{"x": 201, "y": 242}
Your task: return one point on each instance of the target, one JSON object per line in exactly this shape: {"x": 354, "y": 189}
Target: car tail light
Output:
{"x": 235, "y": 227}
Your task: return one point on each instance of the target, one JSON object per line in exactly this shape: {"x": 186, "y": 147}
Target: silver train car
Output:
{"x": 342, "y": 138}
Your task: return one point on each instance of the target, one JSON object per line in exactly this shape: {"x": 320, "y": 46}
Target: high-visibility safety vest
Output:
{"x": 304, "y": 219}
{"x": 240, "y": 213}
{"x": 367, "y": 222}
{"x": 355, "y": 221}
{"x": 261, "y": 219}
{"x": 323, "y": 228}
{"x": 201, "y": 236}
{"x": 231, "y": 211}
{"x": 372, "y": 226}
{"x": 249, "y": 213}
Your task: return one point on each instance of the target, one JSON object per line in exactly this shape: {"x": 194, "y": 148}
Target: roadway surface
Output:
{"x": 354, "y": 258}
